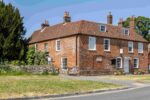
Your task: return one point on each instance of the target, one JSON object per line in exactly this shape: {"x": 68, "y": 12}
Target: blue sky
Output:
{"x": 36, "y": 11}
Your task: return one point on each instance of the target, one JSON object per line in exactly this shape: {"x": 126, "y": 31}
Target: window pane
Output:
{"x": 92, "y": 43}
{"x": 106, "y": 44}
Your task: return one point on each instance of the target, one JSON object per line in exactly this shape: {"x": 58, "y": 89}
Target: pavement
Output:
{"x": 140, "y": 93}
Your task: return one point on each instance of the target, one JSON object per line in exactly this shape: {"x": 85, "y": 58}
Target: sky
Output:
{"x": 35, "y": 12}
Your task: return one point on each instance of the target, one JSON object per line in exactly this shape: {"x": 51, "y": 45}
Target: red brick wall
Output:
{"x": 68, "y": 49}
{"x": 88, "y": 61}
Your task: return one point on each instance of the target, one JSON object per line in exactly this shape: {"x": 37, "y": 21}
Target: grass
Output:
{"x": 138, "y": 78}
{"x": 36, "y": 85}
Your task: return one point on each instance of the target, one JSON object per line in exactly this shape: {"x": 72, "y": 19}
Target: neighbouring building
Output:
{"x": 95, "y": 48}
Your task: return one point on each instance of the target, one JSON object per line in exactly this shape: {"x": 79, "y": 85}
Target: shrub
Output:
{"x": 139, "y": 72}
{"x": 119, "y": 72}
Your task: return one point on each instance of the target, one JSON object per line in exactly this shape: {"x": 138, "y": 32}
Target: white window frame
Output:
{"x": 58, "y": 49}
{"x": 137, "y": 65}
{"x": 90, "y": 43}
{"x": 108, "y": 44}
{"x": 124, "y": 31}
{"x": 132, "y": 45}
{"x": 63, "y": 62}
{"x": 120, "y": 62}
{"x": 101, "y": 28}
{"x": 140, "y": 47}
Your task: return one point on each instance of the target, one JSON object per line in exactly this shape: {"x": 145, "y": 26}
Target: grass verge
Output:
{"x": 35, "y": 85}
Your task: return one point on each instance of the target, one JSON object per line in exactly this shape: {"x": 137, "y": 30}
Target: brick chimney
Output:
{"x": 120, "y": 23}
{"x": 132, "y": 22}
{"x": 110, "y": 19}
{"x": 45, "y": 24}
{"x": 67, "y": 17}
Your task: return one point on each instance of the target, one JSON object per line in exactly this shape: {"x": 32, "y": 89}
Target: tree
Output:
{"x": 142, "y": 26}
{"x": 12, "y": 31}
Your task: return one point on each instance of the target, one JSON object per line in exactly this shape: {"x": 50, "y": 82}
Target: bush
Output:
{"x": 139, "y": 72}
{"x": 119, "y": 72}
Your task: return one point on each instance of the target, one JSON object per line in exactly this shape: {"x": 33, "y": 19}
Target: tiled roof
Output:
{"x": 82, "y": 27}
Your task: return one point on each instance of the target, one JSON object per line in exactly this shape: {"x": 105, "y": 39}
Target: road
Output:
{"x": 142, "y": 93}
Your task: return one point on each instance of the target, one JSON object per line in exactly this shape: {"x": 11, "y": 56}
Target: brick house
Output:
{"x": 95, "y": 48}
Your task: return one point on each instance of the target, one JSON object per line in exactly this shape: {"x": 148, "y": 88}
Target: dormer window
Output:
{"x": 103, "y": 28}
{"x": 126, "y": 31}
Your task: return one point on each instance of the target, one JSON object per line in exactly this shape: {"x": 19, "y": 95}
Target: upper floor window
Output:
{"x": 119, "y": 62}
{"x": 103, "y": 28}
{"x": 36, "y": 47}
{"x": 126, "y": 31}
{"x": 58, "y": 45}
{"x": 106, "y": 44}
{"x": 130, "y": 47}
{"x": 46, "y": 46}
{"x": 92, "y": 43}
{"x": 136, "y": 63}
{"x": 140, "y": 47}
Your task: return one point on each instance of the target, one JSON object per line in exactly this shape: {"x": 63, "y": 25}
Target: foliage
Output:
{"x": 36, "y": 58}
{"x": 12, "y": 42}
{"x": 7, "y": 70}
{"x": 17, "y": 62}
{"x": 119, "y": 72}
{"x": 142, "y": 26}
{"x": 30, "y": 56}
{"x": 139, "y": 72}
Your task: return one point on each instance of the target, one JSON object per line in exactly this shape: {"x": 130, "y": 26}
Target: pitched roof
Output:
{"x": 81, "y": 27}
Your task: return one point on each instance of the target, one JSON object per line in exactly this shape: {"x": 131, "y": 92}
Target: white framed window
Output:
{"x": 46, "y": 46}
{"x": 103, "y": 28}
{"x": 126, "y": 31}
{"x": 130, "y": 47}
{"x": 106, "y": 44}
{"x": 118, "y": 62}
{"x": 140, "y": 47}
{"x": 36, "y": 47}
{"x": 58, "y": 45}
{"x": 64, "y": 63}
{"x": 136, "y": 62}
{"x": 92, "y": 43}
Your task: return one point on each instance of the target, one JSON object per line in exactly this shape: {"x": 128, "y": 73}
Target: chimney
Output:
{"x": 110, "y": 19}
{"x": 67, "y": 17}
{"x": 45, "y": 24}
{"x": 120, "y": 23}
{"x": 132, "y": 22}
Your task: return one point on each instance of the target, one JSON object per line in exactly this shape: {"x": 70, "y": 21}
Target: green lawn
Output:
{"x": 36, "y": 85}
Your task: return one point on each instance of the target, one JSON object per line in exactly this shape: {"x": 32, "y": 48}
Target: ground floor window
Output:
{"x": 119, "y": 62}
{"x": 136, "y": 63}
{"x": 64, "y": 62}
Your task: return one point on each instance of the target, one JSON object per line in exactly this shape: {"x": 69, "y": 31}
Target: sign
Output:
{"x": 99, "y": 59}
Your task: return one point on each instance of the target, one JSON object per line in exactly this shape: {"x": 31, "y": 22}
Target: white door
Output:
{"x": 126, "y": 65}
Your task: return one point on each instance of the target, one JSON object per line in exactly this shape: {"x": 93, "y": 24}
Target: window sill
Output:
{"x": 107, "y": 51}
{"x": 131, "y": 52}
{"x": 92, "y": 49}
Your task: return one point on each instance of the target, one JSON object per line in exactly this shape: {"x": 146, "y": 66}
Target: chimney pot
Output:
{"x": 67, "y": 17}
{"x": 120, "y": 23}
{"x": 45, "y": 24}
{"x": 110, "y": 18}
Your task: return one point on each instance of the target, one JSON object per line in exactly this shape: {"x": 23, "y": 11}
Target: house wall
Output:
{"x": 88, "y": 61}
{"x": 68, "y": 50}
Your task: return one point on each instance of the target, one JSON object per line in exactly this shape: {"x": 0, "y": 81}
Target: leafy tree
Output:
{"x": 30, "y": 56}
{"x": 142, "y": 26}
{"x": 12, "y": 41}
